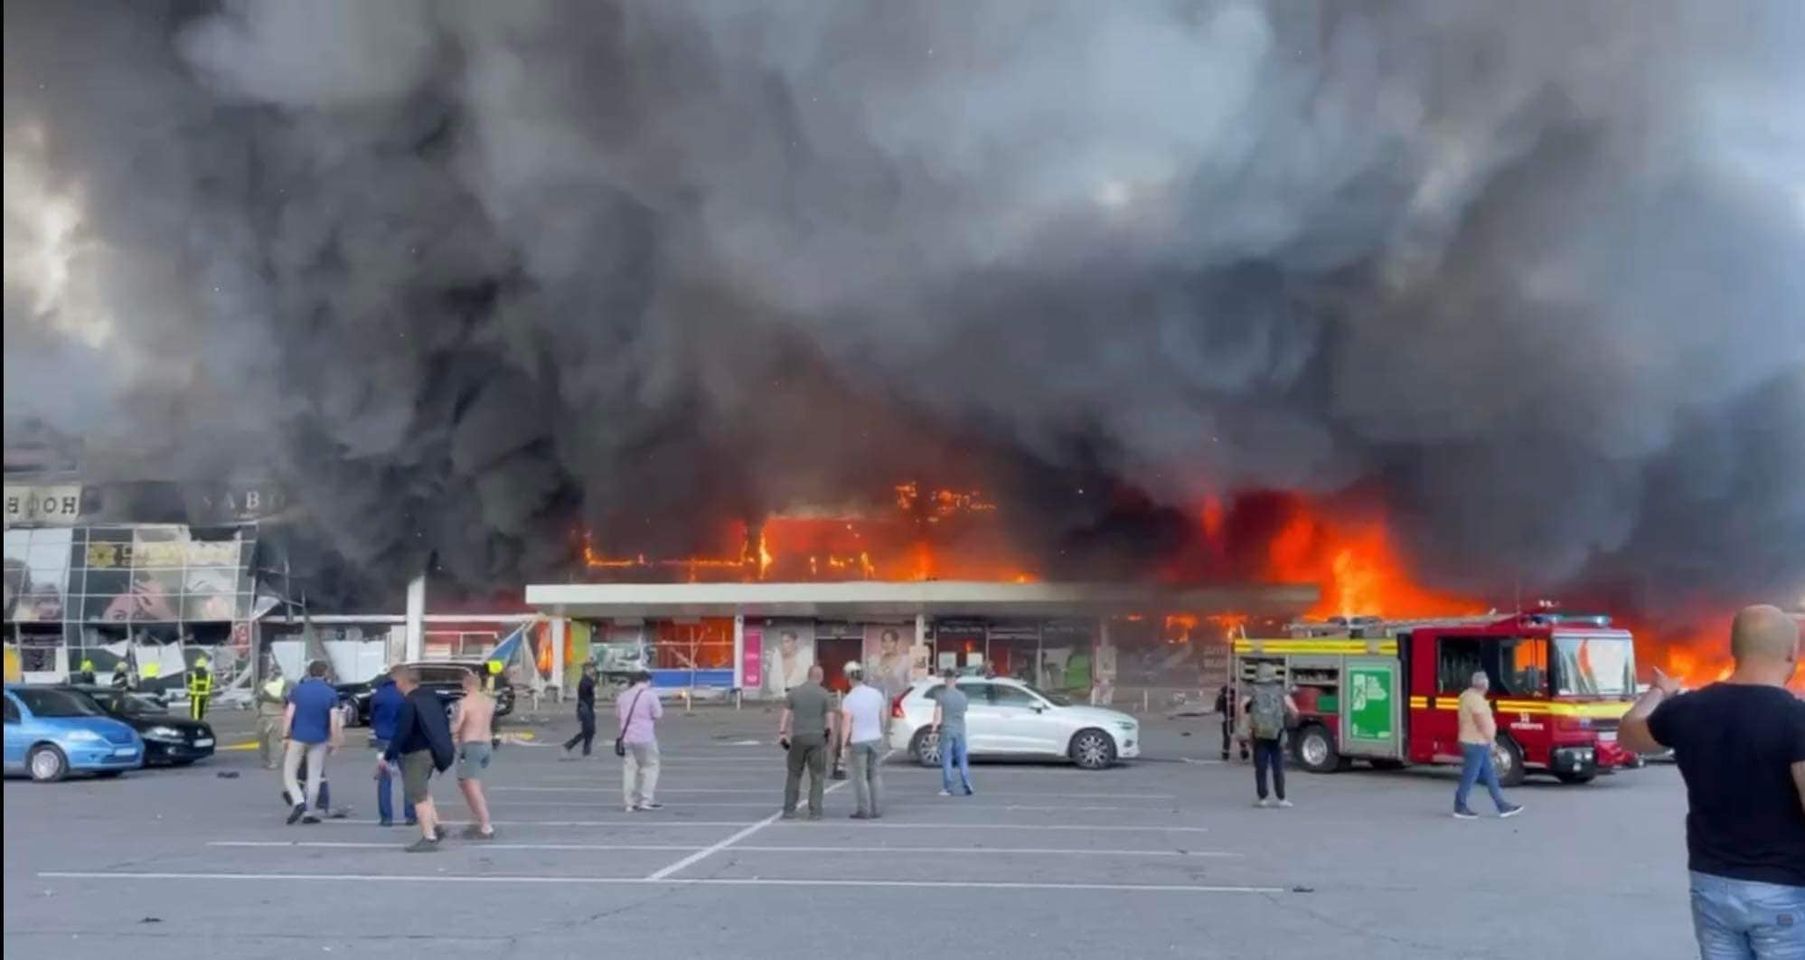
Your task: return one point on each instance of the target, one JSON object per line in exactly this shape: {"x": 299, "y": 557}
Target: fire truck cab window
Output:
{"x": 1457, "y": 659}
{"x": 1522, "y": 668}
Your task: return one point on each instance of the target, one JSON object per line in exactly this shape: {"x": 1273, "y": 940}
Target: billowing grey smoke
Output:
{"x": 463, "y": 272}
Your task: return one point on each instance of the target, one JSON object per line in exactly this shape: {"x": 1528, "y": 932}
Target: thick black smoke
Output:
{"x": 467, "y": 273}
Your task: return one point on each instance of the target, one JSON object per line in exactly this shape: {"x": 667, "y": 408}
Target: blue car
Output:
{"x": 53, "y": 733}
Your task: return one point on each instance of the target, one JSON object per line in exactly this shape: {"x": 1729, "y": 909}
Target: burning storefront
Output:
{"x": 761, "y": 638}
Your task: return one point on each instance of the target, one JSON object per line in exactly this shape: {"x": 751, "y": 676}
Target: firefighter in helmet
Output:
{"x": 200, "y": 689}
{"x": 85, "y": 675}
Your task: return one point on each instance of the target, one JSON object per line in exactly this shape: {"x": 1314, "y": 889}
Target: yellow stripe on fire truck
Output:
{"x": 1335, "y": 646}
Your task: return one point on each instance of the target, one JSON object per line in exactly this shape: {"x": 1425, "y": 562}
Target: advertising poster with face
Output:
{"x": 789, "y": 652}
{"x": 888, "y": 664}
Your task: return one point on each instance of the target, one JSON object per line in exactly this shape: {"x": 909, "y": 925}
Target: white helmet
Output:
{"x": 854, "y": 668}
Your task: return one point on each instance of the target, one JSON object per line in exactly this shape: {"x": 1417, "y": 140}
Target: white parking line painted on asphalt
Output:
{"x": 766, "y": 790}
{"x": 663, "y": 881}
{"x": 482, "y": 845}
{"x": 730, "y": 841}
{"x": 1087, "y": 828}
{"x": 640, "y": 822}
{"x": 743, "y": 848}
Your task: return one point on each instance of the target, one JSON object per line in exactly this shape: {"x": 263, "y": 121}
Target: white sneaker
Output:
{"x": 1263, "y": 803}
{"x": 946, "y": 793}
{"x": 1285, "y": 803}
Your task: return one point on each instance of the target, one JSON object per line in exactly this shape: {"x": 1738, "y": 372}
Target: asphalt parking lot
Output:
{"x": 1165, "y": 856}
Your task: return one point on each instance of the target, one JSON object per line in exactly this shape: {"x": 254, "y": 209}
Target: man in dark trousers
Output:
{"x": 1225, "y": 707}
{"x": 585, "y": 713}
{"x": 1740, "y": 745}
{"x": 804, "y": 731}
{"x": 421, "y": 746}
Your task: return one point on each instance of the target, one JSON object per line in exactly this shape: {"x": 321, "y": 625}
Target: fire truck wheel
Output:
{"x": 925, "y": 748}
{"x": 1316, "y": 750}
{"x": 1507, "y": 759}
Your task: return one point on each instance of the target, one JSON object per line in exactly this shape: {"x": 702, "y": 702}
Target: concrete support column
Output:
{"x": 739, "y": 651}
{"x": 560, "y": 627}
{"x": 416, "y": 618}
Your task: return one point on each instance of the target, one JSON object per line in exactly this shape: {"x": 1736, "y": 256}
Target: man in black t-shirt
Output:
{"x": 1740, "y": 745}
{"x": 585, "y": 712}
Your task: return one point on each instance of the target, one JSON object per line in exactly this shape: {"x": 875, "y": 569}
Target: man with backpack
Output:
{"x": 422, "y": 745}
{"x": 1268, "y": 709}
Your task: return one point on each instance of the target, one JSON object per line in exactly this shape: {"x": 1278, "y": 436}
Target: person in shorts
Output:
{"x": 422, "y": 745}
{"x": 471, "y": 731}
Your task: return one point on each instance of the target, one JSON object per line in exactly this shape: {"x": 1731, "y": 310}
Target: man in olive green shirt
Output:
{"x": 804, "y": 731}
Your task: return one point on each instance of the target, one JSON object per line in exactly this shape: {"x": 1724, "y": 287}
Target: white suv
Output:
{"x": 1009, "y": 718}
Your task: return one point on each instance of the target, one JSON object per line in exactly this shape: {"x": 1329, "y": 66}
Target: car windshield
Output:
{"x": 58, "y": 703}
{"x": 139, "y": 705}
{"x": 1594, "y": 666}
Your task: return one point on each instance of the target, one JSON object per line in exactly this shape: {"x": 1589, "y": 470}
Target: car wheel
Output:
{"x": 1316, "y": 750}
{"x": 1507, "y": 760}
{"x": 925, "y": 748}
{"x": 1092, "y": 749}
{"x": 47, "y": 763}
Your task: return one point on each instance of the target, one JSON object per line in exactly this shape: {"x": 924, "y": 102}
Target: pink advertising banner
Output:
{"x": 752, "y": 659}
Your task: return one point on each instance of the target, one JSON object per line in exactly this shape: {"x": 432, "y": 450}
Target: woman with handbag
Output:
{"x": 637, "y": 743}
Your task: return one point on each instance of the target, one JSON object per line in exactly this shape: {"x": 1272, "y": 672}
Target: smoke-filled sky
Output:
{"x": 463, "y": 272}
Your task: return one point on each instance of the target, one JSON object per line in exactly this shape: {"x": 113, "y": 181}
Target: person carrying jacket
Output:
{"x": 422, "y": 744}
{"x": 385, "y": 711}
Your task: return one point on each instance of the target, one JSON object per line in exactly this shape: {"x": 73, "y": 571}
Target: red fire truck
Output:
{"x": 1386, "y": 691}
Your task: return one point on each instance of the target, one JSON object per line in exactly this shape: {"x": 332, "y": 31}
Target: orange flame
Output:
{"x": 1357, "y": 567}
{"x": 926, "y": 535}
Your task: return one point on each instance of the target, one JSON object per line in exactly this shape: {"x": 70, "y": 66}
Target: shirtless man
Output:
{"x": 471, "y": 730}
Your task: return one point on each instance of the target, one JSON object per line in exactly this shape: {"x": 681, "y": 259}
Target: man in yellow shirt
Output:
{"x": 1478, "y": 731}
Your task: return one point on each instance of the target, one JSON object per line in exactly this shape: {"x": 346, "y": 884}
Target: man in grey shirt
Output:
{"x": 949, "y": 720}
{"x": 804, "y": 732}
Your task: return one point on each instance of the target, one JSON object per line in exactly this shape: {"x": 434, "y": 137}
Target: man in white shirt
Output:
{"x": 862, "y": 732}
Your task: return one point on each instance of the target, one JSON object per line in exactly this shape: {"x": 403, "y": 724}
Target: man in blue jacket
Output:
{"x": 385, "y": 710}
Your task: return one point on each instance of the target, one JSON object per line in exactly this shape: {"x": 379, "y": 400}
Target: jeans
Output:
{"x": 1269, "y": 753}
{"x": 867, "y": 778}
{"x": 639, "y": 773}
{"x": 1747, "y": 920}
{"x": 1476, "y": 764}
{"x": 385, "y": 810}
{"x": 810, "y": 754}
{"x": 952, "y": 751}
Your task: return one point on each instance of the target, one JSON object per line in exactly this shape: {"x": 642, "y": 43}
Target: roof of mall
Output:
{"x": 896, "y": 599}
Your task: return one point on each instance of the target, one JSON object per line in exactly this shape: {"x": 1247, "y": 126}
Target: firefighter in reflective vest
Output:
{"x": 86, "y": 674}
{"x": 200, "y": 689}
{"x": 272, "y": 703}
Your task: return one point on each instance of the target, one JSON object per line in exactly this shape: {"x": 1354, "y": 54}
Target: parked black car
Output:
{"x": 442, "y": 677}
{"x": 169, "y": 740}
